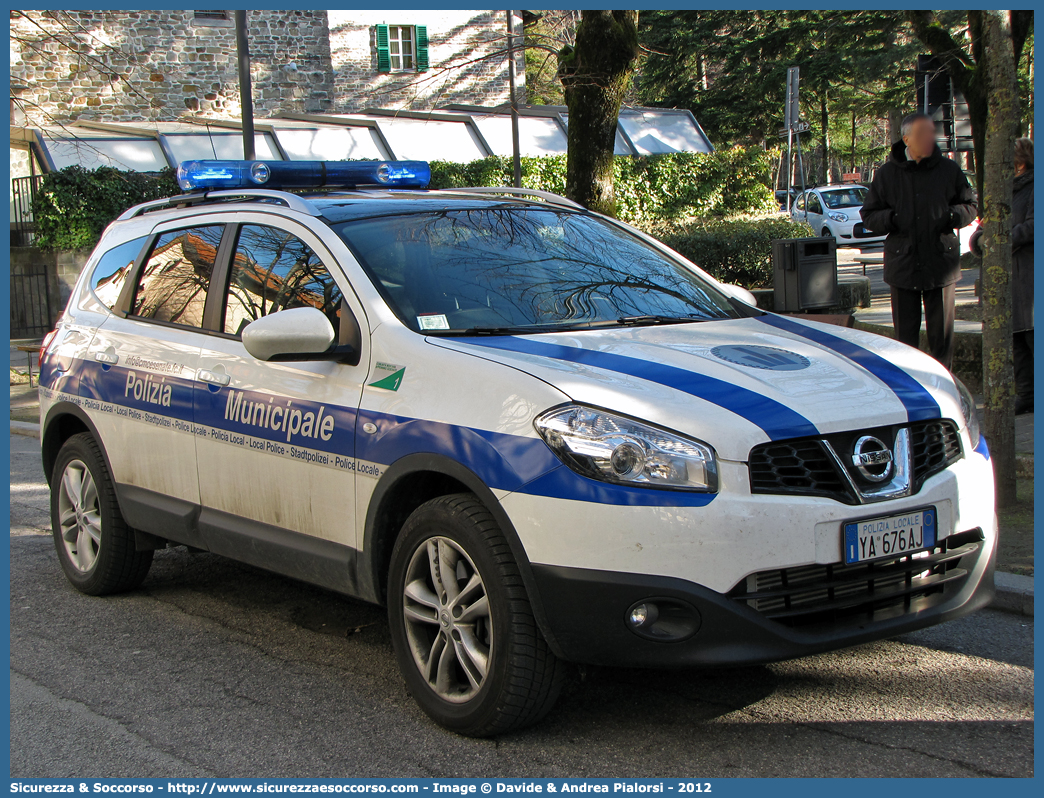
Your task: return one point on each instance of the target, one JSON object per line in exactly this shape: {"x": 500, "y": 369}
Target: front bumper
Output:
{"x": 586, "y": 614}
{"x": 854, "y": 231}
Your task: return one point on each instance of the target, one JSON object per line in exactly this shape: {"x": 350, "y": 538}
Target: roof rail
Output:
{"x": 291, "y": 201}
{"x": 547, "y": 196}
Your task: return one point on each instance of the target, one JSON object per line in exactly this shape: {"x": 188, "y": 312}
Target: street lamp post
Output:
{"x": 246, "y": 100}
{"x": 517, "y": 162}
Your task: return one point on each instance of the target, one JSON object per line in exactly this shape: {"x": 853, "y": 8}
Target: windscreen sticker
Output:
{"x": 387, "y": 376}
{"x": 433, "y": 321}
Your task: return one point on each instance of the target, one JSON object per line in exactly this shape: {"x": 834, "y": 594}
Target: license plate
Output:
{"x": 893, "y": 536}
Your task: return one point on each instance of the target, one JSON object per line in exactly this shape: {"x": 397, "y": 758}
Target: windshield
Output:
{"x": 845, "y": 198}
{"x": 497, "y": 270}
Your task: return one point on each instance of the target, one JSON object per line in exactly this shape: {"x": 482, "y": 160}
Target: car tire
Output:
{"x": 825, "y": 233}
{"x": 476, "y": 674}
{"x": 94, "y": 543}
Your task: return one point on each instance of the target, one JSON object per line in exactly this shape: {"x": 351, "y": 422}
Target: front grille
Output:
{"x": 936, "y": 445}
{"x": 815, "y": 594}
{"x": 805, "y": 467}
{"x": 799, "y": 467}
{"x": 858, "y": 231}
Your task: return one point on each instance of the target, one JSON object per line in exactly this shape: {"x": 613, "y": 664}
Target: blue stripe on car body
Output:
{"x": 919, "y": 403}
{"x": 503, "y": 461}
{"x": 777, "y": 420}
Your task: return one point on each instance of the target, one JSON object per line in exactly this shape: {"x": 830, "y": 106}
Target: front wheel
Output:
{"x": 462, "y": 625}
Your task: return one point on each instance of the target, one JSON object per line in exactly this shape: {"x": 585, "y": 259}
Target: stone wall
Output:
{"x": 465, "y": 53}
{"x": 160, "y": 65}
{"x": 165, "y": 65}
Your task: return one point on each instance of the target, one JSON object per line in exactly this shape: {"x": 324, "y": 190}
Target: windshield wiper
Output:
{"x": 533, "y": 329}
{"x": 641, "y": 321}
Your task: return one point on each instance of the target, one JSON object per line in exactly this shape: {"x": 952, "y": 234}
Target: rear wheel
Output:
{"x": 95, "y": 546}
{"x": 462, "y": 625}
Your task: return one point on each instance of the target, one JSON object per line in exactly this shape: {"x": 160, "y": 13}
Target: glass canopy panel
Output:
{"x": 139, "y": 155}
{"x": 226, "y": 145}
{"x": 329, "y": 143}
{"x": 656, "y": 132}
{"x": 536, "y": 135}
{"x": 431, "y": 140}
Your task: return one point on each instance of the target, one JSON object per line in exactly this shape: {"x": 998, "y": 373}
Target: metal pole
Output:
{"x": 516, "y": 159}
{"x": 246, "y": 100}
{"x": 790, "y": 166}
{"x": 801, "y": 171}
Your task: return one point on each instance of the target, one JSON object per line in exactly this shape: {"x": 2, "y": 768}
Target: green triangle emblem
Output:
{"x": 391, "y": 382}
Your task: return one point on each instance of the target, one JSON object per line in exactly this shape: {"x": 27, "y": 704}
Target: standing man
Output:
{"x": 920, "y": 199}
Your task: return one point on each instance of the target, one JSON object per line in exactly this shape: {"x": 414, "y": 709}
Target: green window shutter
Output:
{"x": 383, "y": 56}
{"x": 422, "y": 47}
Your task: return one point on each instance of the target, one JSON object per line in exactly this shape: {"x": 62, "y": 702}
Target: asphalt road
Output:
{"x": 216, "y": 669}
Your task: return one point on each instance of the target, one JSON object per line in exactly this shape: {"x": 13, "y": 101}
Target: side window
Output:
{"x": 275, "y": 270}
{"x": 800, "y": 204}
{"x": 174, "y": 280}
{"x": 814, "y": 206}
{"x": 112, "y": 268}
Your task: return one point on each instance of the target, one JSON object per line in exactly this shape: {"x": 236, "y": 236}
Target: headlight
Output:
{"x": 971, "y": 418}
{"x": 838, "y": 217}
{"x": 615, "y": 449}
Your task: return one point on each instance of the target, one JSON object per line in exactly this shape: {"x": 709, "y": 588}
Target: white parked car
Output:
{"x": 535, "y": 434}
{"x": 835, "y": 211}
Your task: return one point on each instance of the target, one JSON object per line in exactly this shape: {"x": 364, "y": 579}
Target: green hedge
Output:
{"x": 737, "y": 250}
{"x": 721, "y": 183}
{"x": 74, "y": 205}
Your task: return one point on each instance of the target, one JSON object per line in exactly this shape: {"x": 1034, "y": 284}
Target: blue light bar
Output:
{"x": 212, "y": 175}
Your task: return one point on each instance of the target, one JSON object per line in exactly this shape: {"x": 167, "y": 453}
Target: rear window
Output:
{"x": 112, "y": 269}
{"x": 176, "y": 277}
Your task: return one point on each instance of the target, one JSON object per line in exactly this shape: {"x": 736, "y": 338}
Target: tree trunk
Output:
{"x": 595, "y": 74}
{"x": 895, "y": 122}
{"x": 998, "y": 172}
{"x": 853, "y": 166}
{"x": 824, "y": 120}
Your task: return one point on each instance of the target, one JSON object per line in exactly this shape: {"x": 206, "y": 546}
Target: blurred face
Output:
{"x": 921, "y": 138}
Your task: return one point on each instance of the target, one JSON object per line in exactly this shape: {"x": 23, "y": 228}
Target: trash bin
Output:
{"x": 804, "y": 274}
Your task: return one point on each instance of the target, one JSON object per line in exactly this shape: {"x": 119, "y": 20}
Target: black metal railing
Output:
{"x": 23, "y": 225}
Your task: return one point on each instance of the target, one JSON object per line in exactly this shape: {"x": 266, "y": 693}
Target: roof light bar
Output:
{"x": 210, "y": 175}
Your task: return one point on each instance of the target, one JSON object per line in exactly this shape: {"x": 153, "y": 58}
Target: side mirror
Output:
{"x": 296, "y": 334}
{"x": 740, "y": 293}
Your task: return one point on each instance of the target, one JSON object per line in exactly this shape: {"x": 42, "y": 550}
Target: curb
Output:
{"x": 26, "y": 428}
{"x": 1014, "y": 591}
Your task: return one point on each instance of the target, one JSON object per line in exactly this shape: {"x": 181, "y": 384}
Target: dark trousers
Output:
{"x": 938, "y": 316}
{"x": 1022, "y": 344}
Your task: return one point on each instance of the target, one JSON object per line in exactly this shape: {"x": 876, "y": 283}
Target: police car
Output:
{"x": 537, "y": 435}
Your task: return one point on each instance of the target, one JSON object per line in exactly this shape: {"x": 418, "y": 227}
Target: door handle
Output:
{"x": 212, "y": 377}
{"x": 107, "y": 356}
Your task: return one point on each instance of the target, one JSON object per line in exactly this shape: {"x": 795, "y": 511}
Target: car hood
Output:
{"x": 734, "y": 383}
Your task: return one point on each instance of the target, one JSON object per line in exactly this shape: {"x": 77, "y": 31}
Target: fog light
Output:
{"x": 664, "y": 620}
{"x": 642, "y": 614}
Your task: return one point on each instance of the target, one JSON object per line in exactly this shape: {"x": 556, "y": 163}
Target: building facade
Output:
{"x": 126, "y": 66}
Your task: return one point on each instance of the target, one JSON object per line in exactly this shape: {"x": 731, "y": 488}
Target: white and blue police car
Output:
{"x": 535, "y": 434}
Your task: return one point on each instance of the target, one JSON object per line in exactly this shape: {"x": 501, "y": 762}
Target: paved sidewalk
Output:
{"x": 880, "y": 310}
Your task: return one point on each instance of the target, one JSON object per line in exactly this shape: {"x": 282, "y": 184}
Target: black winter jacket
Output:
{"x": 919, "y": 206}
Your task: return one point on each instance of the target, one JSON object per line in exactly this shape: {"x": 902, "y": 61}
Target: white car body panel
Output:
{"x": 472, "y": 401}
